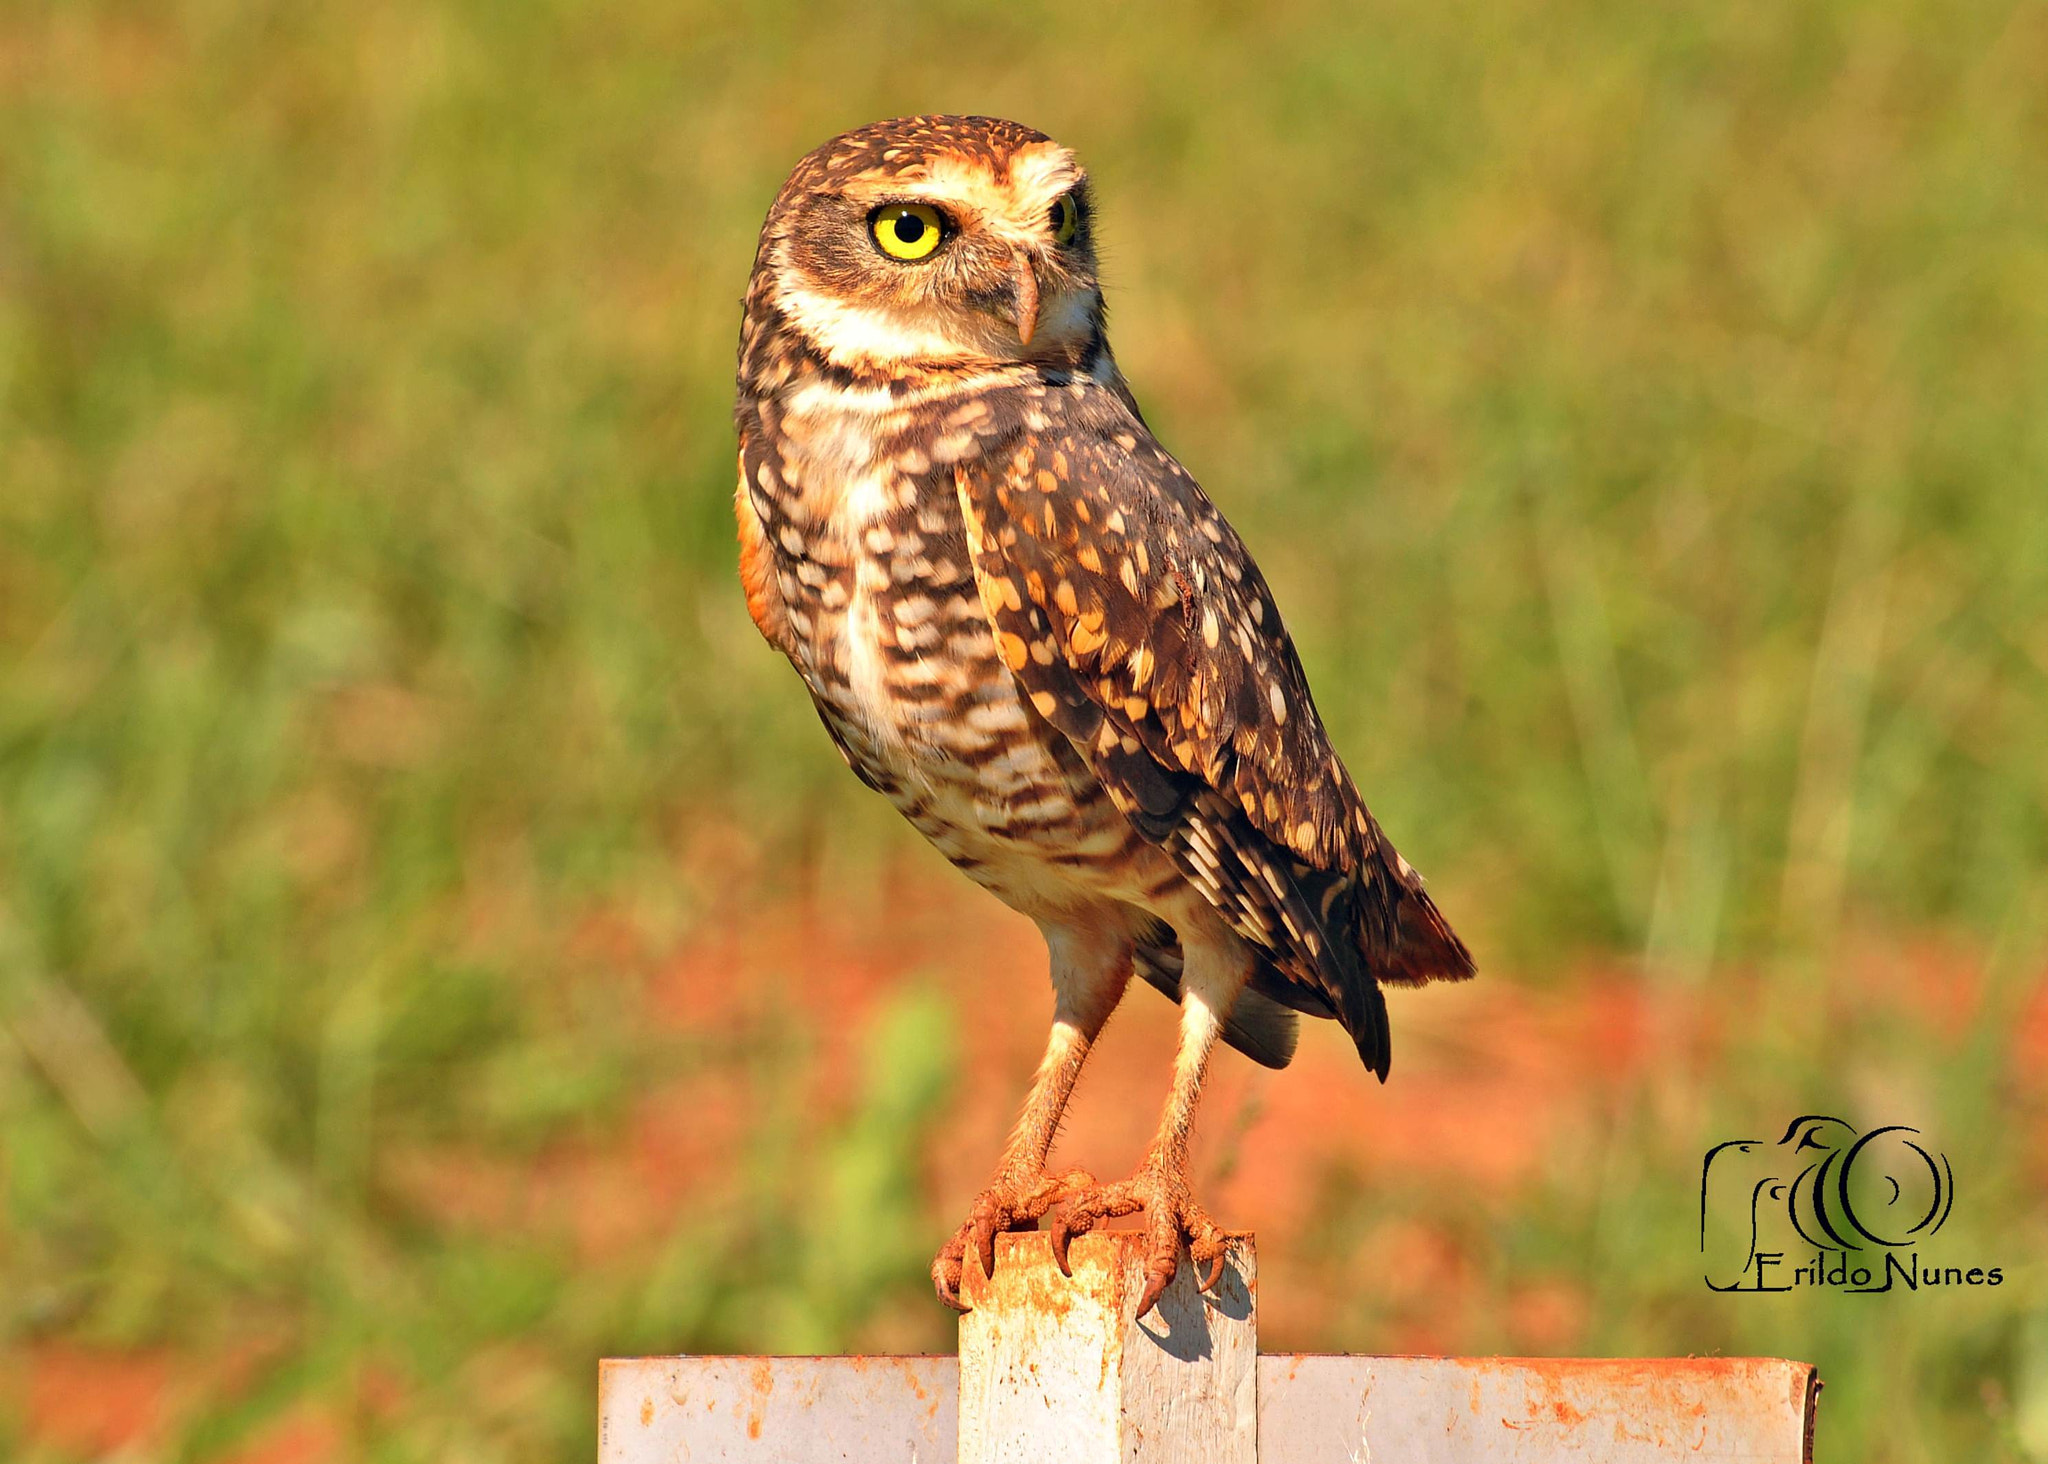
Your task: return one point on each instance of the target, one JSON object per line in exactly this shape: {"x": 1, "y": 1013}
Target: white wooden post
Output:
{"x": 1053, "y": 1368}
{"x": 1058, "y": 1370}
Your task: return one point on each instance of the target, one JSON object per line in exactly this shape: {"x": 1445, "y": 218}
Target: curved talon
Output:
{"x": 1084, "y": 1213}
{"x": 1156, "y": 1283}
{"x": 1060, "y": 1236}
{"x": 1010, "y": 1203}
{"x": 1077, "y": 1205}
{"x": 986, "y": 1226}
{"x": 1173, "y": 1220}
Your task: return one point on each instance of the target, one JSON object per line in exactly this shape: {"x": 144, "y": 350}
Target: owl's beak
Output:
{"x": 1024, "y": 296}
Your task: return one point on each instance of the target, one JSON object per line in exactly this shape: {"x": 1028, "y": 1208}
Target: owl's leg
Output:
{"x": 1089, "y": 972}
{"x": 1216, "y": 970}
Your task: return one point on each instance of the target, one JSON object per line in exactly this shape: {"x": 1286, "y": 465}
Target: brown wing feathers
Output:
{"x": 1137, "y": 623}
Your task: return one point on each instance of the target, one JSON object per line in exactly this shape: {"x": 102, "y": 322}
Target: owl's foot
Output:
{"x": 1171, "y": 1218}
{"x": 1012, "y": 1202}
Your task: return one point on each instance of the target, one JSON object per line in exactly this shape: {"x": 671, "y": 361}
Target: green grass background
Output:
{"x": 1642, "y": 412}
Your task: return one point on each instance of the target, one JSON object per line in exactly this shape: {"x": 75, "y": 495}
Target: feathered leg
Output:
{"x": 1216, "y": 971}
{"x": 1089, "y": 973}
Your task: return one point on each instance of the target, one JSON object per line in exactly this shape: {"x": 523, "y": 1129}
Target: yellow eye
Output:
{"x": 907, "y": 230}
{"x": 1065, "y": 219}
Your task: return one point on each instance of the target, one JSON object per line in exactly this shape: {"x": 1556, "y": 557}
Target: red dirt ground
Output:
{"x": 1490, "y": 1077}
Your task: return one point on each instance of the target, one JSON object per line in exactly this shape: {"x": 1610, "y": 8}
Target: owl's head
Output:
{"x": 934, "y": 240}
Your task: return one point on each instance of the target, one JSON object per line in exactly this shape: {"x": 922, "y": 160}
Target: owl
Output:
{"x": 1025, "y": 625}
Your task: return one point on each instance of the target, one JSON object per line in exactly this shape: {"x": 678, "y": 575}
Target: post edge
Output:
{"x": 1811, "y": 1410}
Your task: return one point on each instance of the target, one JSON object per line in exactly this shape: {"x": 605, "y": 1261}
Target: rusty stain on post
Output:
{"x": 1532, "y": 1410}
{"x": 1055, "y": 1369}
{"x": 707, "y": 1410}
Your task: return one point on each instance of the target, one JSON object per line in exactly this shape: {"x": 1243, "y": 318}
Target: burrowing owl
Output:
{"x": 1026, "y": 626}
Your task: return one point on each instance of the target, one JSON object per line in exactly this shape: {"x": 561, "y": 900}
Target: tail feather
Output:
{"x": 1407, "y": 945}
{"x": 1425, "y": 947}
{"x": 1262, "y": 1029}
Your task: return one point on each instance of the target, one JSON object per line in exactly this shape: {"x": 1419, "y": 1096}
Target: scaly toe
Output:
{"x": 946, "y": 1274}
{"x": 1172, "y": 1220}
{"x": 1056, "y": 1189}
{"x": 1088, "y": 1209}
{"x": 1159, "y": 1269}
{"x": 1207, "y": 1245}
{"x": 1010, "y": 1203}
{"x": 1175, "y": 1220}
{"x": 988, "y": 1219}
